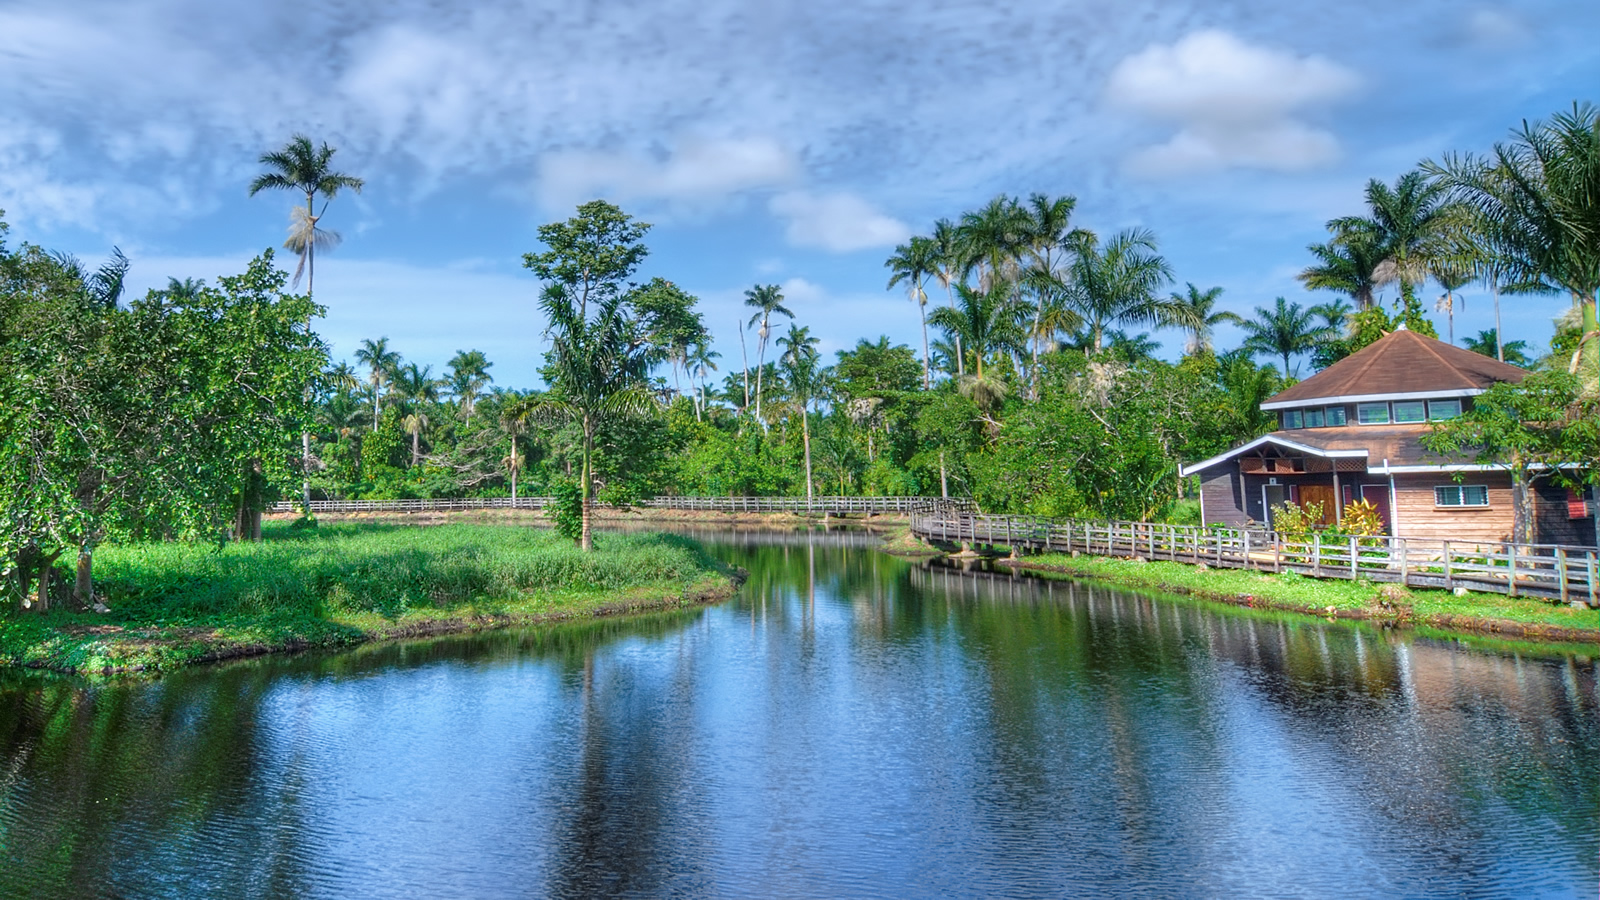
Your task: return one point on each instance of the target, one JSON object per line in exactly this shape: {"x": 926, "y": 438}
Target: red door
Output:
{"x": 1378, "y": 496}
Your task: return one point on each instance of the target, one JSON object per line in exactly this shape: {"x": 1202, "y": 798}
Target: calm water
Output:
{"x": 851, "y": 725}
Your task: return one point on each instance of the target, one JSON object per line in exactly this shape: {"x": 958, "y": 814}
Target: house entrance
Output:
{"x": 1323, "y": 494}
{"x": 1272, "y": 495}
{"x": 1378, "y": 496}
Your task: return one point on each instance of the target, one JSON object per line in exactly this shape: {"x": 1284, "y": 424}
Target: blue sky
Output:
{"x": 776, "y": 143}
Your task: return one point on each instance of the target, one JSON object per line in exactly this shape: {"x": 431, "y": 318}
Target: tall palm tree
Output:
{"x": 1488, "y": 343}
{"x": 982, "y": 323}
{"x": 1201, "y": 322}
{"x": 300, "y": 166}
{"x": 381, "y": 362}
{"x": 1286, "y": 330}
{"x": 469, "y": 375}
{"x": 418, "y": 390}
{"x": 1050, "y": 238}
{"x": 701, "y": 362}
{"x": 993, "y": 240}
{"x": 1118, "y": 283}
{"x": 1347, "y": 265}
{"x": 1532, "y": 204}
{"x": 912, "y": 263}
{"x": 767, "y": 301}
{"x": 1335, "y": 315}
{"x": 1452, "y": 279}
{"x": 946, "y": 251}
{"x": 1409, "y": 224}
{"x": 799, "y": 361}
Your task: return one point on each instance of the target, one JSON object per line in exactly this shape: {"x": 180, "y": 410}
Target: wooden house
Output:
{"x": 1354, "y": 430}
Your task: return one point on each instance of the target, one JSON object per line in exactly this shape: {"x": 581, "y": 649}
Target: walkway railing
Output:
{"x": 816, "y": 505}
{"x": 1539, "y": 570}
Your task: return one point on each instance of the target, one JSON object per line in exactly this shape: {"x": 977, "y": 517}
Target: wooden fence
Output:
{"x": 1547, "y": 571}
{"x": 817, "y": 505}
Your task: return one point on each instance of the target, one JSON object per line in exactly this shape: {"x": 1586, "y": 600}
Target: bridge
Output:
{"x": 837, "y": 506}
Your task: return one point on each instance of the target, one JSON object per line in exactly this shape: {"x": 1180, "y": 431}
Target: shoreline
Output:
{"x": 1385, "y": 605}
{"x": 607, "y": 516}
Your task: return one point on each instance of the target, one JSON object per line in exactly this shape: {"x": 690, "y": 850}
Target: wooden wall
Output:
{"x": 1553, "y": 524}
{"x": 1219, "y": 490}
{"x": 1418, "y": 517}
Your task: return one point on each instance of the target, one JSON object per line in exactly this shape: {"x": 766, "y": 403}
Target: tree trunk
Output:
{"x": 416, "y": 438}
{"x": 585, "y": 535}
{"x": 944, "y": 482}
{"x": 47, "y": 564}
{"x": 744, "y": 355}
{"x": 305, "y": 462}
{"x": 927, "y": 359}
{"x": 805, "y": 434}
{"x": 1589, "y": 348}
{"x": 1521, "y": 502}
{"x": 513, "y": 471}
{"x": 83, "y": 587}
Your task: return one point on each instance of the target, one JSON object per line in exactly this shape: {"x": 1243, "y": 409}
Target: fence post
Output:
{"x": 1246, "y": 549}
{"x": 1511, "y": 564}
{"x": 1316, "y": 553}
{"x": 1405, "y": 562}
{"x": 1355, "y": 561}
{"x": 1561, "y": 572}
{"x": 1594, "y": 583}
{"x": 1449, "y": 570}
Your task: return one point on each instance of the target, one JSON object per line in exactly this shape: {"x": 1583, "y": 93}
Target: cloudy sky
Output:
{"x": 786, "y": 143}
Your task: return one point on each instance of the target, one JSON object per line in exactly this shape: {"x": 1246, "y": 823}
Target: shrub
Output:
{"x": 566, "y": 509}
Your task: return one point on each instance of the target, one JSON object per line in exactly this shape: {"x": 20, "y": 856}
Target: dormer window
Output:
{"x": 1336, "y": 415}
{"x": 1314, "y": 418}
{"x": 1372, "y": 413}
{"x": 1410, "y": 411}
{"x": 1292, "y": 419}
{"x": 1439, "y": 410}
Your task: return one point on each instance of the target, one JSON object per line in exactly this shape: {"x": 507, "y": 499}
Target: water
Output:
{"x": 850, "y": 725}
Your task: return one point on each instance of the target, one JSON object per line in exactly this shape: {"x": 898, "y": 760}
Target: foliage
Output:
{"x": 1297, "y": 521}
{"x": 566, "y": 509}
{"x": 1361, "y": 518}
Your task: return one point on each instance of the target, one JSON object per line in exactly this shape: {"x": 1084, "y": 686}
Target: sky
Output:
{"x": 766, "y": 143}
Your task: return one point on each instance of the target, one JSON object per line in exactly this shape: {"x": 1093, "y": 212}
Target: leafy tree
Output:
{"x": 598, "y": 362}
{"x": 1409, "y": 224}
{"x": 381, "y": 362}
{"x": 1487, "y": 343}
{"x": 469, "y": 375}
{"x": 671, "y": 325}
{"x": 1200, "y": 320}
{"x": 804, "y": 380}
{"x": 1348, "y": 265}
{"x": 983, "y": 322}
{"x": 1117, "y": 283}
{"x": 912, "y": 263}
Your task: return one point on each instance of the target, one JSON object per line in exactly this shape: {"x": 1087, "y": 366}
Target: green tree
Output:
{"x": 1408, "y": 223}
{"x": 381, "y": 362}
{"x": 1200, "y": 318}
{"x": 804, "y": 380}
{"x": 767, "y": 301}
{"x": 1118, "y": 283}
{"x": 913, "y": 263}
{"x": 1286, "y": 330}
{"x": 599, "y": 362}
{"x": 302, "y": 167}
{"x": 469, "y": 375}
{"x": 1487, "y": 343}
{"x": 1346, "y": 264}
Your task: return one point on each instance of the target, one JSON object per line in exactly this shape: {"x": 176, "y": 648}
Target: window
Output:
{"x": 1410, "y": 411}
{"x": 1313, "y": 418}
{"x": 1373, "y": 413}
{"x": 1291, "y": 418}
{"x": 1335, "y": 415}
{"x": 1461, "y": 495}
{"x": 1439, "y": 410}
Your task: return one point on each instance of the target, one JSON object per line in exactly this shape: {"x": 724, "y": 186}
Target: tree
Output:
{"x": 469, "y": 375}
{"x": 1286, "y": 330}
{"x": 381, "y": 362}
{"x": 1487, "y": 343}
{"x": 1050, "y": 238}
{"x": 701, "y": 362}
{"x": 1117, "y": 283}
{"x": 1346, "y": 264}
{"x": 1532, "y": 205}
{"x": 671, "y": 325}
{"x": 599, "y": 362}
{"x": 1199, "y": 318}
{"x": 800, "y": 368}
{"x": 1452, "y": 279}
{"x": 992, "y": 241}
{"x": 1409, "y": 224}
{"x": 912, "y": 263}
{"x": 418, "y": 390}
{"x": 300, "y": 166}
{"x": 946, "y": 251}
{"x": 982, "y": 322}
{"x": 767, "y": 301}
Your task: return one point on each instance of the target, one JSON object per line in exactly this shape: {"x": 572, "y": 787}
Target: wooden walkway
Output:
{"x": 1567, "y": 574}
{"x": 836, "y": 506}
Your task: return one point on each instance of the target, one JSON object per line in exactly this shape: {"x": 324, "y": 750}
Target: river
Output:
{"x": 850, "y": 725}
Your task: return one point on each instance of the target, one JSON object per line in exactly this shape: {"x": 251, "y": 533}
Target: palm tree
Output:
{"x": 981, "y": 323}
{"x": 299, "y": 166}
{"x": 599, "y": 365}
{"x": 417, "y": 389}
{"x": 800, "y": 366}
{"x": 469, "y": 375}
{"x": 1201, "y": 320}
{"x": 912, "y": 263}
{"x": 1452, "y": 279}
{"x": 1346, "y": 265}
{"x": 1532, "y": 205}
{"x": 1286, "y": 330}
{"x": 700, "y": 363}
{"x": 1050, "y": 237}
{"x": 1118, "y": 284}
{"x": 946, "y": 251}
{"x": 1487, "y": 343}
{"x": 381, "y": 362}
{"x": 993, "y": 240}
{"x": 1408, "y": 223}
{"x": 766, "y": 300}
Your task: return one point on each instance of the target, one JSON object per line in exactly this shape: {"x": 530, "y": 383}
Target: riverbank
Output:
{"x": 349, "y": 583}
{"x": 1487, "y": 614}
{"x": 640, "y": 515}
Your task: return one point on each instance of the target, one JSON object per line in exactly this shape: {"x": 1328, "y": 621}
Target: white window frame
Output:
{"x": 1434, "y": 417}
{"x": 1299, "y": 420}
{"x": 1363, "y": 408}
{"x": 1328, "y": 413}
{"x": 1321, "y": 417}
{"x": 1421, "y": 406}
{"x": 1459, "y": 492}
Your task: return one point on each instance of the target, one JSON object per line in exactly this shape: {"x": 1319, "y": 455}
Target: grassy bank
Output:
{"x": 174, "y": 604}
{"x": 1495, "y": 614}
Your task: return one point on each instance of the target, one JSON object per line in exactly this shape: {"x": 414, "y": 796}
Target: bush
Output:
{"x": 566, "y": 509}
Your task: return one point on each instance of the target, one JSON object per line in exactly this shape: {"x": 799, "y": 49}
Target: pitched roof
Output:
{"x": 1399, "y": 445}
{"x": 1401, "y": 362}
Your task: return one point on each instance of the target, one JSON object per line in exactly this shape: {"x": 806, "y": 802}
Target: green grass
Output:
{"x": 1357, "y": 599}
{"x": 341, "y": 584}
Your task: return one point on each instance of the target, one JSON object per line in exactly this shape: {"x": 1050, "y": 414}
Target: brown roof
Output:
{"x": 1401, "y": 362}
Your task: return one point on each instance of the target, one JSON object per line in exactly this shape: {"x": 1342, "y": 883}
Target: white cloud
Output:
{"x": 1495, "y": 29}
{"x": 700, "y": 173}
{"x": 1234, "y": 103}
{"x": 837, "y": 221}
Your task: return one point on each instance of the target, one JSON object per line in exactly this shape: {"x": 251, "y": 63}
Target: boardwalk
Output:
{"x": 1564, "y": 573}
{"x": 837, "y": 506}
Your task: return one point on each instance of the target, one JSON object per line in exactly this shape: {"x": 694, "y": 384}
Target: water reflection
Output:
{"x": 851, "y": 724}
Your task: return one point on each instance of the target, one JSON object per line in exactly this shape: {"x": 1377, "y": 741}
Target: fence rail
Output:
{"x": 1548, "y": 571}
{"x": 827, "y": 505}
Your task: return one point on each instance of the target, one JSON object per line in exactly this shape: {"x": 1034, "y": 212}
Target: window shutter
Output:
{"x": 1576, "y": 507}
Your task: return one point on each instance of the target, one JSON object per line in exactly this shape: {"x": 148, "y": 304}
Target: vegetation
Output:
{"x": 173, "y": 603}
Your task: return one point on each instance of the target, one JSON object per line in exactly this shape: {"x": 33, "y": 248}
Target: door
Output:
{"x": 1319, "y": 493}
{"x": 1272, "y": 495}
{"x": 1378, "y": 496}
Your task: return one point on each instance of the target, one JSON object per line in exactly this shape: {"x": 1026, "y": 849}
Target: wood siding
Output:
{"x": 1418, "y": 517}
{"x": 1220, "y": 494}
{"x": 1554, "y": 522}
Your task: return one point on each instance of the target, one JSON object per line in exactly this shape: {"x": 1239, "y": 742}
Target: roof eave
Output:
{"x": 1372, "y": 398}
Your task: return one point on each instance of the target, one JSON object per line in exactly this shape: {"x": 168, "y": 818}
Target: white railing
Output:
{"x": 1541, "y": 570}
{"x": 818, "y": 505}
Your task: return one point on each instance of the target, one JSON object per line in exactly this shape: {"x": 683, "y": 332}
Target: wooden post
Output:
{"x": 1449, "y": 570}
{"x": 1316, "y": 553}
{"x": 1511, "y": 566}
{"x": 1246, "y": 564}
{"x": 1405, "y": 562}
{"x": 1355, "y": 560}
{"x": 1594, "y": 583}
{"x": 1561, "y": 572}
